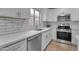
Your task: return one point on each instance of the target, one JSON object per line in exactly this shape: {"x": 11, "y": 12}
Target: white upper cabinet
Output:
{"x": 74, "y": 13}
{"x": 43, "y": 14}
{"x": 15, "y": 12}
{"x": 50, "y": 15}
{"x": 12, "y": 12}
{"x": 24, "y": 12}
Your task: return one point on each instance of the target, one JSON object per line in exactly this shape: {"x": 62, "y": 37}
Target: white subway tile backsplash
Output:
{"x": 14, "y": 25}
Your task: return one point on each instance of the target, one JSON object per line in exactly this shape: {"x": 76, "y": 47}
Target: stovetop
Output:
{"x": 64, "y": 28}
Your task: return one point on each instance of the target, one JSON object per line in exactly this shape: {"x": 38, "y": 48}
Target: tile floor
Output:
{"x": 57, "y": 46}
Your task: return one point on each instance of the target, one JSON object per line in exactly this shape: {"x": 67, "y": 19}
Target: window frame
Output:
{"x": 34, "y": 15}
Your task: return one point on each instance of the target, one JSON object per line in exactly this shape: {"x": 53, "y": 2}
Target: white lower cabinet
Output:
{"x": 74, "y": 40}
{"x": 16, "y": 46}
{"x": 37, "y": 42}
{"x": 46, "y": 38}
{"x": 50, "y": 34}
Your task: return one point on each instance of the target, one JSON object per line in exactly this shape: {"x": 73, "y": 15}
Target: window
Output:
{"x": 31, "y": 21}
{"x": 32, "y": 12}
{"x": 35, "y": 17}
{"x": 36, "y": 13}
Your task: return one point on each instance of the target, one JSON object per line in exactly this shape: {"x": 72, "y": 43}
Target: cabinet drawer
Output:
{"x": 14, "y": 46}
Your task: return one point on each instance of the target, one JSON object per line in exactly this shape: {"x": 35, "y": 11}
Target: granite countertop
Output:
{"x": 10, "y": 38}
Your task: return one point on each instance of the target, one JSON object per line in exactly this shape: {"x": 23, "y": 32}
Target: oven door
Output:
{"x": 64, "y": 36}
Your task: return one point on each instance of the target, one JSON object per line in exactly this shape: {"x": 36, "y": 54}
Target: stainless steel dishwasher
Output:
{"x": 34, "y": 43}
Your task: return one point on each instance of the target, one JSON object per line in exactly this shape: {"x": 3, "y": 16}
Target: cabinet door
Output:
{"x": 24, "y": 12}
{"x": 48, "y": 37}
{"x": 22, "y": 46}
{"x": 74, "y": 40}
{"x": 54, "y": 34}
{"x": 51, "y": 34}
{"x": 43, "y": 41}
{"x": 17, "y": 46}
{"x": 12, "y": 12}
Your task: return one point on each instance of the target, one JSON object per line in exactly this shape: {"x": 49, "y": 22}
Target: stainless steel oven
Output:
{"x": 64, "y": 35}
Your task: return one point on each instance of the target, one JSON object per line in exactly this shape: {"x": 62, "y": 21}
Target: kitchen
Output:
{"x": 39, "y": 29}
